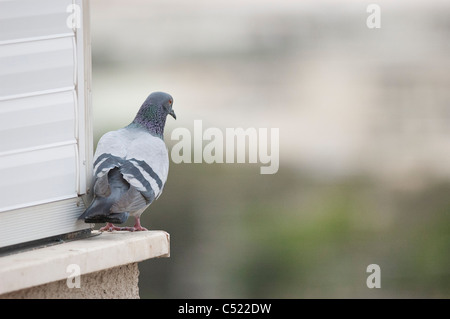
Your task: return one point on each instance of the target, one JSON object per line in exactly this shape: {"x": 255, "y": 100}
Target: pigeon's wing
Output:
{"x": 130, "y": 169}
{"x": 110, "y": 152}
{"x": 111, "y": 148}
{"x": 146, "y": 164}
{"x": 143, "y": 162}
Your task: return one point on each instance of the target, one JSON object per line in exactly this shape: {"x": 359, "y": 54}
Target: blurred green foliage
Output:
{"x": 235, "y": 233}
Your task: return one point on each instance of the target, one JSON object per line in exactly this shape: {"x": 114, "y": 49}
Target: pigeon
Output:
{"x": 131, "y": 166}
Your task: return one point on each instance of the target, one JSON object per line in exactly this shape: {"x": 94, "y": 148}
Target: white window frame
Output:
{"x": 59, "y": 217}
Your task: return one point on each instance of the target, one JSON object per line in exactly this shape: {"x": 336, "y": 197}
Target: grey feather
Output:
{"x": 101, "y": 187}
{"x": 132, "y": 200}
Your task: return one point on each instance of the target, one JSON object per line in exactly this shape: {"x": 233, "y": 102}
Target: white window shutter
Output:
{"x": 45, "y": 129}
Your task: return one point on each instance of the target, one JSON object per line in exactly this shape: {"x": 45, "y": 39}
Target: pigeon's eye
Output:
{"x": 170, "y": 101}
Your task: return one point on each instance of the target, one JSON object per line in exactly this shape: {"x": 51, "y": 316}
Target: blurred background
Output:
{"x": 364, "y": 119}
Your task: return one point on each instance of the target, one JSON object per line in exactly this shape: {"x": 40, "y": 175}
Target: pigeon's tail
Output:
{"x": 100, "y": 209}
{"x": 99, "y": 212}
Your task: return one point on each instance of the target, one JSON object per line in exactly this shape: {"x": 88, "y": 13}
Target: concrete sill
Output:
{"x": 49, "y": 264}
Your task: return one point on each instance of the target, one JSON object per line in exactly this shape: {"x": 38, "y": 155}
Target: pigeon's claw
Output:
{"x": 140, "y": 228}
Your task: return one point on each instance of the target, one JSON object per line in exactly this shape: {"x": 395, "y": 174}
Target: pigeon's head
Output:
{"x": 153, "y": 112}
{"x": 161, "y": 102}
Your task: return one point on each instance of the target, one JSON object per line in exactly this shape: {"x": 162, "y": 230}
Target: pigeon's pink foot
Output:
{"x": 140, "y": 228}
{"x": 137, "y": 226}
{"x": 110, "y": 227}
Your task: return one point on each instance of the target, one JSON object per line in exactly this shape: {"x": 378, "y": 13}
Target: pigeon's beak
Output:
{"x": 173, "y": 114}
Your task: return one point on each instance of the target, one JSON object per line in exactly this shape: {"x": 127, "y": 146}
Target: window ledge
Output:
{"x": 48, "y": 264}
